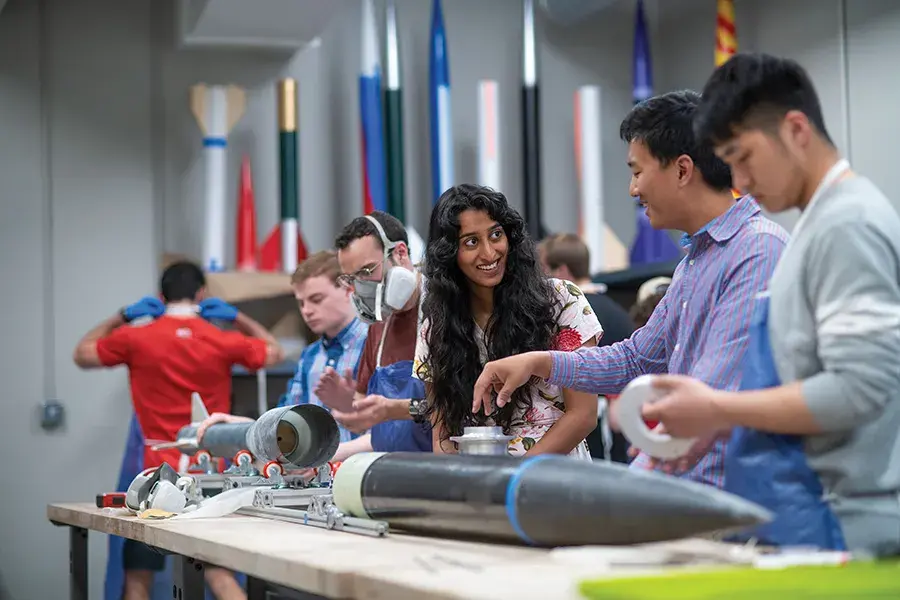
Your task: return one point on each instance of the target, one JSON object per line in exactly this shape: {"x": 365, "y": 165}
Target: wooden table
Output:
{"x": 330, "y": 564}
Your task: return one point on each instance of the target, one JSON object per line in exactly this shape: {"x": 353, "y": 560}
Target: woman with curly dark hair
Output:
{"x": 487, "y": 298}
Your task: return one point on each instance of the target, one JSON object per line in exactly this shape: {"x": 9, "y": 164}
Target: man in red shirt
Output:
{"x": 171, "y": 351}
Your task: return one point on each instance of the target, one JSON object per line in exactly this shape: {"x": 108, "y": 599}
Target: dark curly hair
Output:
{"x": 524, "y": 318}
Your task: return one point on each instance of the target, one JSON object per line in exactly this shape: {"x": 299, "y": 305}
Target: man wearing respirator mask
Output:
{"x": 373, "y": 252}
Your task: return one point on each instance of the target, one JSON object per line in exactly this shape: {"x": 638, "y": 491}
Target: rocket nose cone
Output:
{"x": 682, "y": 508}
{"x": 743, "y": 512}
{"x": 612, "y": 504}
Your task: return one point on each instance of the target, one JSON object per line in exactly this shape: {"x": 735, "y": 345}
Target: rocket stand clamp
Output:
{"x": 483, "y": 440}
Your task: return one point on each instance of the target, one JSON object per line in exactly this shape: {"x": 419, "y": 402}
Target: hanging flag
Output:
{"x": 726, "y": 32}
{"x": 393, "y": 116}
{"x": 650, "y": 245}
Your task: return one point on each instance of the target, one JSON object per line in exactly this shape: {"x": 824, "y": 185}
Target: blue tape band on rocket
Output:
{"x": 551, "y": 501}
{"x": 215, "y": 142}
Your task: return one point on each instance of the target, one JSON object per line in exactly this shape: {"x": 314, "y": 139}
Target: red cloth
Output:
{"x": 167, "y": 361}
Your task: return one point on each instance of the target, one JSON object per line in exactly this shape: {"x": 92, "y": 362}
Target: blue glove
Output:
{"x": 213, "y": 309}
{"x": 148, "y": 306}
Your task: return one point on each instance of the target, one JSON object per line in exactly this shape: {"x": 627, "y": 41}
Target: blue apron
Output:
{"x": 771, "y": 469}
{"x": 396, "y": 381}
{"x": 114, "y": 584}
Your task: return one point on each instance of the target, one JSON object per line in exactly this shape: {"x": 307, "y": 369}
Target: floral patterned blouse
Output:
{"x": 577, "y": 324}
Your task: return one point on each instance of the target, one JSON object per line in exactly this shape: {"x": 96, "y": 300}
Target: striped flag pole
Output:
{"x": 650, "y": 245}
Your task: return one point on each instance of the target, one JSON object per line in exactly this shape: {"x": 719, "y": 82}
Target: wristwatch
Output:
{"x": 417, "y": 407}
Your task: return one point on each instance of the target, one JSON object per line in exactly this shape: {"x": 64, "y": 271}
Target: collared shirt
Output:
{"x": 340, "y": 353}
{"x": 700, "y": 327}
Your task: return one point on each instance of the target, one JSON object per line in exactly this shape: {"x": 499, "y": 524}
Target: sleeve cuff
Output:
{"x": 562, "y": 368}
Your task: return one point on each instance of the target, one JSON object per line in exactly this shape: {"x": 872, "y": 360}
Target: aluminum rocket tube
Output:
{"x": 303, "y": 436}
{"x": 543, "y": 501}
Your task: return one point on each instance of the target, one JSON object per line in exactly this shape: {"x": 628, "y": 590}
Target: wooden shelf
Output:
{"x": 237, "y": 287}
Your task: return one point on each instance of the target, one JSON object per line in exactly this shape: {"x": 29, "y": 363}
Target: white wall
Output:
{"x": 848, "y": 47}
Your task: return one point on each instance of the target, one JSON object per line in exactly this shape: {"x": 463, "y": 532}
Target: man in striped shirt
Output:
{"x": 701, "y": 325}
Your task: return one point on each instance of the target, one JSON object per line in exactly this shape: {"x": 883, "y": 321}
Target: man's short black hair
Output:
{"x": 755, "y": 90}
{"x": 664, "y": 124}
{"x": 360, "y": 227}
{"x": 181, "y": 281}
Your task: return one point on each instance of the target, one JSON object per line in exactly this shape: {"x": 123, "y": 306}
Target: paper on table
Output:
{"x": 679, "y": 552}
{"x": 222, "y": 505}
{"x": 628, "y": 409}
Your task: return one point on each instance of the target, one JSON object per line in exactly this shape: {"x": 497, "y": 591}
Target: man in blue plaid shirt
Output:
{"x": 327, "y": 310}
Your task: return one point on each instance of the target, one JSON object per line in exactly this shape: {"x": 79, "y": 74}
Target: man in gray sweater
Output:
{"x": 816, "y": 425}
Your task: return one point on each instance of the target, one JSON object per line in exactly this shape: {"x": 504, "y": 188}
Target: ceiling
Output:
{"x": 289, "y": 24}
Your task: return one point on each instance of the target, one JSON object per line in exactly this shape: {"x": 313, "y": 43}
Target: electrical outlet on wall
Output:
{"x": 52, "y": 415}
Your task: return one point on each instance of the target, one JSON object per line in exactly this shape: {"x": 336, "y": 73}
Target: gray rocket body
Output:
{"x": 543, "y": 501}
{"x": 302, "y": 436}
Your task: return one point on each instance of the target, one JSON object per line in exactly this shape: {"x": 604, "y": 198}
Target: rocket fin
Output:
{"x": 198, "y": 409}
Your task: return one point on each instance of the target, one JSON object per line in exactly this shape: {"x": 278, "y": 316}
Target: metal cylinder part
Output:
{"x": 485, "y": 441}
{"x": 545, "y": 501}
{"x": 302, "y": 436}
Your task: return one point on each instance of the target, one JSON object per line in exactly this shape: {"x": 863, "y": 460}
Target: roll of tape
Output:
{"x": 628, "y": 409}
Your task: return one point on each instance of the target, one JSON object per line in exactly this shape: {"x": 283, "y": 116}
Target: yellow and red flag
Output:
{"x": 726, "y": 32}
{"x": 726, "y": 41}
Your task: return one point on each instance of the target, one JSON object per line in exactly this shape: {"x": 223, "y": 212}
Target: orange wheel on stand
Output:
{"x": 273, "y": 468}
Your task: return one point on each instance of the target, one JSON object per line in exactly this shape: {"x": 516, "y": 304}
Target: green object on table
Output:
{"x": 857, "y": 581}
